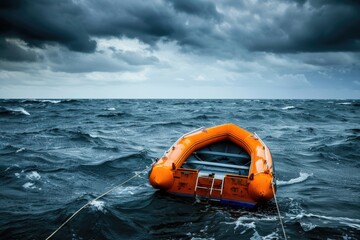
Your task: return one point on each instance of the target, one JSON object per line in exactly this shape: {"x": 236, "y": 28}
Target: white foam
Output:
{"x": 128, "y": 190}
{"x": 351, "y": 222}
{"x": 18, "y": 175}
{"x": 288, "y": 107}
{"x": 273, "y": 235}
{"x": 249, "y": 221}
{"x": 301, "y": 178}
{"x": 20, "y": 150}
{"x": 98, "y": 205}
{"x": 20, "y": 109}
{"x": 248, "y": 225}
{"x": 307, "y": 226}
{"x": 343, "y": 220}
{"x": 24, "y": 112}
{"x": 344, "y": 103}
{"x": 111, "y": 109}
{"x": 29, "y": 185}
{"x": 33, "y": 176}
{"x": 93, "y": 135}
{"x": 50, "y": 101}
{"x": 204, "y": 229}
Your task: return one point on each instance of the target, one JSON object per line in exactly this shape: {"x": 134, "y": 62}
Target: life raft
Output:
{"x": 224, "y": 163}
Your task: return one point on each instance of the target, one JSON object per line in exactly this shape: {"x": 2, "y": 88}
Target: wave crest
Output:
{"x": 288, "y": 108}
{"x": 13, "y": 111}
{"x": 303, "y": 176}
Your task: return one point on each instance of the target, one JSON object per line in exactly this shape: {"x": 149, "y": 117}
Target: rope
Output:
{"x": 87, "y": 204}
{"x": 277, "y": 208}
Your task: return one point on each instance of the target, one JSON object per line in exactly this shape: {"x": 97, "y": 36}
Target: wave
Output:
{"x": 32, "y": 178}
{"x": 50, "y": 101}
{"x": 29, "y": 185}
{"x": 98, "y": 205}
{"x": 168, "y": 124}
{"x": 251, "y": 222}
{"x": 13, "y": 111}
{"x": 9, "y": 149}
{"x": 243, "y": 220}
{"x": 81, "y": 136}
{"x": 114, "y": 114}
{"x": 350, "y": 222}
{"x": 113, "y": 166}
{"x": 201, "y": 117}
{"x": 42, "y": 101}
{"x": 288, "y": 107}
{"x": 301, "y": 178}
{"x": 344, "y": 103}
{"x": 33, "y": 175}
{"x": 20, "y": 150}
{"x": 353, "y": 130}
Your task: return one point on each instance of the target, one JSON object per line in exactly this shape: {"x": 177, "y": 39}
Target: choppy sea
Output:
{"x": 57, "y": 155}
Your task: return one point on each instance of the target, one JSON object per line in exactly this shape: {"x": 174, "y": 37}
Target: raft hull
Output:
{"x": 225, "y": 164}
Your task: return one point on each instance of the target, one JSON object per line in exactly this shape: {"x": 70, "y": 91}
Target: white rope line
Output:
{"x": 277, "y": 208}
{"x": 272, "y": 184}
{"x": 87, "y": 204}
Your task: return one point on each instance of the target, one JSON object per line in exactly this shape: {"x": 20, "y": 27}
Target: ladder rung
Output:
{"x": 211, "y": 188}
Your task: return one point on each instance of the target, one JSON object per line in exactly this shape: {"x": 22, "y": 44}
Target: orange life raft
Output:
{"x": 224, "y": 163}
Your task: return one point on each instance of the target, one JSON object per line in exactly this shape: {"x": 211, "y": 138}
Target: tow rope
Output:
{"x": 102, "y": 195}
{"x": 277, "y": 208}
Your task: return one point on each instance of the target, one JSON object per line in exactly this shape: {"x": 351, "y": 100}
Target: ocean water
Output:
{"x": 57, "y": 155}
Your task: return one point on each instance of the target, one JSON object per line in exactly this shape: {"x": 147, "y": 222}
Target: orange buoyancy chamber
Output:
{"x": 259, "y": 179}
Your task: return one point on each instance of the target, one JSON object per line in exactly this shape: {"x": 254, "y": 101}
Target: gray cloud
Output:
{"x": 44, "y": 22}
{"x": 330, "y": 26}
{"x": 308, "y": 26}
{"x": 244, "y": 43}
{"x": 133, "y": 58}
{"x": 72, "y": 62}
{"x": 13, "y": 52}
{"x": 201, "y": 8}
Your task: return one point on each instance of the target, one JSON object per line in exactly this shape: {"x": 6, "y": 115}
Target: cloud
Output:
{"x": 270, "y": 26}
{"x": 172, "y": 43}
{"x": 314, "y": 26}
{"x": 133, "y": 58}
{"x": 14, "y": 51}
{"x": 44, "y": 22}
{"x": 200, "y": 8}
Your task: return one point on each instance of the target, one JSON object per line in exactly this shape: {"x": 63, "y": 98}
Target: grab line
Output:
{"x": 87, "y": 204}
{"x": 277, "y": 208}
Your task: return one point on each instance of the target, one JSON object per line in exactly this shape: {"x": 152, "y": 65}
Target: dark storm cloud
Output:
{"x": 12, "y": 52}
{"x": 41, "y": 21}
{"x": 331, "y": 26}
{"x": 205, "y": 9}
{"x": 147, "y": 21}
{"x": 202, "y": 26}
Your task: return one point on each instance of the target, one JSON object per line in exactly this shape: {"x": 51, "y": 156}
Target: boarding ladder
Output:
{"x": 209, "y": 188}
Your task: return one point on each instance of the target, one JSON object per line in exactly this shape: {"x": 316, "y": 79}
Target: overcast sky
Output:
{"x": 179, "y": 49}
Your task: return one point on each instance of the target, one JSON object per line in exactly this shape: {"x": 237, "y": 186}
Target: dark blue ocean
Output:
{"x": 57, "y": 155}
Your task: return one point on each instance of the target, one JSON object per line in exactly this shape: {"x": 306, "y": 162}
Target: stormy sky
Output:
{"x": 179, "y": 49}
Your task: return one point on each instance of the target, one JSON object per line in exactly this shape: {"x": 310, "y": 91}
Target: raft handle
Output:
{"x": 191, "y": 132}
{"x": 182, "y": 137}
